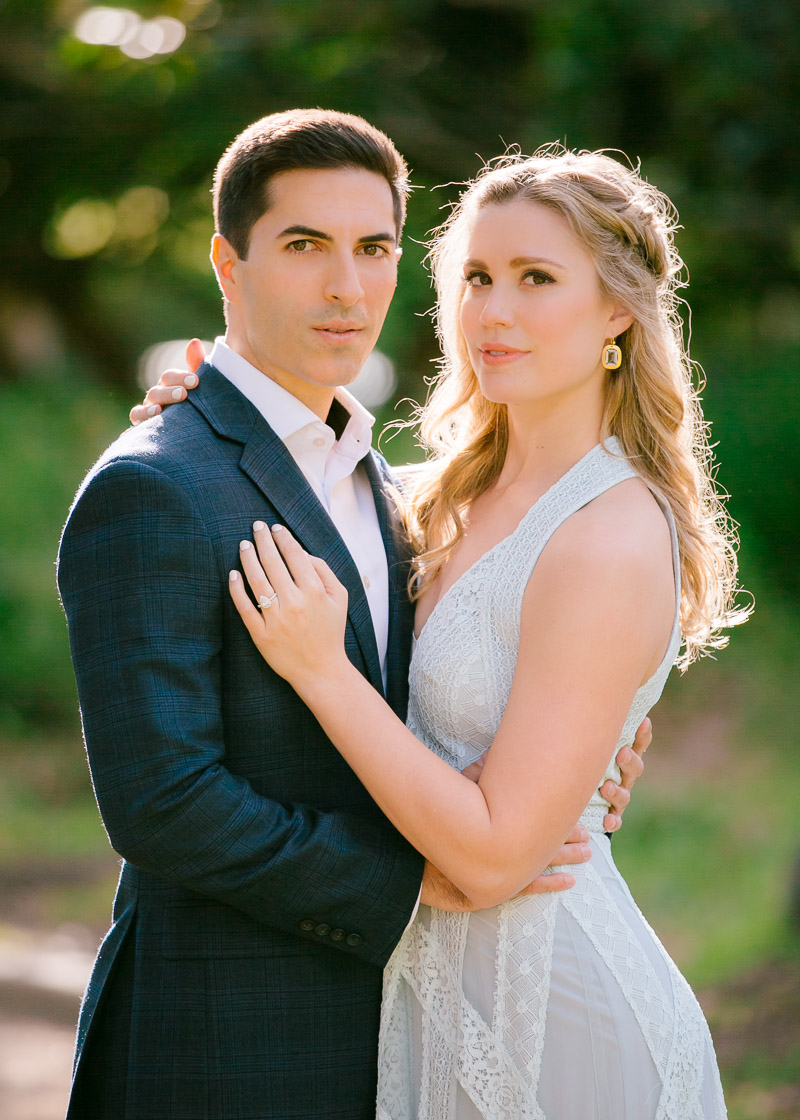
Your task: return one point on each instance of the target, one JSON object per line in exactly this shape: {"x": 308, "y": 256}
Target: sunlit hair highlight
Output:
{"x": 651, "y": 403}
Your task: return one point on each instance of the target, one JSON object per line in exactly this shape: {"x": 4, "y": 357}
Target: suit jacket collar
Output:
{"x": 268, "y": 464}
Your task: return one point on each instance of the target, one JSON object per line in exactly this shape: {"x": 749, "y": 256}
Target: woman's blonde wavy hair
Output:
{"x": 651, "y": 404}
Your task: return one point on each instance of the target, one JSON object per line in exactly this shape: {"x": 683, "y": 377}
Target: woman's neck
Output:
{"x": 544, "y": 444}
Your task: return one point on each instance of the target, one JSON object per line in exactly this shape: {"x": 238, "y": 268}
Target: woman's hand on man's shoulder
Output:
{"x": 172, "y": 386}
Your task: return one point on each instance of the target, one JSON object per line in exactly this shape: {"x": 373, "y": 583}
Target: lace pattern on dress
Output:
{"x": 432, "y": 1038}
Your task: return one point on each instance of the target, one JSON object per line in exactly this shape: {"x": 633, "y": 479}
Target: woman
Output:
{"x": 569, "y": 538}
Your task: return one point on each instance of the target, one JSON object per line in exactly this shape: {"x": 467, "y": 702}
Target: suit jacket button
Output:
{"x": 306, "y": 925}
{"x": 337, "y": 935}
{"x": 322, "y": 930}
{"x": 353, "y": 940}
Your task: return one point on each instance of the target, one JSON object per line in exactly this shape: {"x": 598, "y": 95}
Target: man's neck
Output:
{"x": 317, "y": 398}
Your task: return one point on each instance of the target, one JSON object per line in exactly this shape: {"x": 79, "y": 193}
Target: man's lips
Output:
{"x": 339, "y": 332}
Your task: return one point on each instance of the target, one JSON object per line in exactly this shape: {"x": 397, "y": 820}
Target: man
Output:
{"x": 262, "y": 890}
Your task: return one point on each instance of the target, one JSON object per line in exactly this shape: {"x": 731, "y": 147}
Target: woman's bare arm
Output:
{"x": 565, "y": 712}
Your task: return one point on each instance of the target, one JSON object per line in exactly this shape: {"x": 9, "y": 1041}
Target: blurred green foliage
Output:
{"x": 105, "y": 167}
{"x": 105, "y": 171}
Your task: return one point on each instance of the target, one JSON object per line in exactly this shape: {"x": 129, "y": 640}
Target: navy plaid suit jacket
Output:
{"x": 261, "y": 891}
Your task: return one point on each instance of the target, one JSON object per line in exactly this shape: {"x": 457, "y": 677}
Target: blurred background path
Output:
{"x": 42, "y": 977}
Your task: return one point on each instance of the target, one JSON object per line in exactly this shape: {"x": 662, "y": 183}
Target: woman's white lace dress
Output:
{"x": 549, "y": 1007}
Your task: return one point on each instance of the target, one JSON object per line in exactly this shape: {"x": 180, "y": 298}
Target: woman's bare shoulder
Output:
{"x": 624, "y": 522}
{"x": 616, "y": 548}
{"x": 607, "y": 575}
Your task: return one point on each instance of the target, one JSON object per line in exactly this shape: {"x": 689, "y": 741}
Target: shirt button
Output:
{"x": 337, "y": 935}
{"x": 322, "y": 930}
{"x": 306, "y": 925}
{"x": 353, "y": 940}
{"x": 319, "y": 442}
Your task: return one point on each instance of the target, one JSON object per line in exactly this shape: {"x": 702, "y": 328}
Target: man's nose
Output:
{"x": 343, "y": 284}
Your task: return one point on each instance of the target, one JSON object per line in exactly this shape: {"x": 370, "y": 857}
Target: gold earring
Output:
{"x": 612, "y": 355}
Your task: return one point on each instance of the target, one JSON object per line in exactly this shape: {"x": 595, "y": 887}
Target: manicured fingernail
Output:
{"x": 244, "y": 545}
{"x": 191, "y": 380}
{"x": 277, "y": 528}
{"x": 258, "y": 525}
{"x": 569, "y": 880}
{"x": 177, "y": 394}
{"x": 586, "y": 851}
{"x": 233, "y": 576}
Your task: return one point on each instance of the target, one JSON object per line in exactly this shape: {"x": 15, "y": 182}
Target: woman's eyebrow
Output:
{"x": 521, "y": 262}
{"x": 517, "y": 262}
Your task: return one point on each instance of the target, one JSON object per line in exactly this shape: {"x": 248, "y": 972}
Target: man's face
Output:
{"x": 307, "y": 305}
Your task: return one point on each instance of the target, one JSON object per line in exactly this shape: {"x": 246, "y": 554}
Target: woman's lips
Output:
{"x": 496, "y": 354}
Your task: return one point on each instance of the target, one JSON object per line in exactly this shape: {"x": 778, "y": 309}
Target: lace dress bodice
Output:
{"x": 548, "y": 1007}
{"x": 464, "y": 660}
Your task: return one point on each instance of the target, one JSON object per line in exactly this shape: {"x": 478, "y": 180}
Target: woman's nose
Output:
{"x": 497, "y": 309}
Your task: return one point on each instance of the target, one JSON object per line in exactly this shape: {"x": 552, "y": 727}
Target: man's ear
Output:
{"x": 224, "y": 259}
{"x": 398, "y": 252}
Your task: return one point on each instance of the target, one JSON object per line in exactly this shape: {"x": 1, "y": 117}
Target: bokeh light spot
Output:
{"x": 83, "y": 229}
{"x": 161, "y": 356}
{"x": 140, "y": 212}
{"x": 376, "y": 382}
{"x": 135, "y": 37}
{"x": 106, "y": 26}
{"x": 173, "y": 33}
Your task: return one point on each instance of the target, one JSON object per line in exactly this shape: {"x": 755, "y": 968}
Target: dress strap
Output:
{"x": 598, "y": 471}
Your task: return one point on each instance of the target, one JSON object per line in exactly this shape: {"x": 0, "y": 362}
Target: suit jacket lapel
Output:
{"x": 401, "y": 611}
{"x": 271, "y": 468}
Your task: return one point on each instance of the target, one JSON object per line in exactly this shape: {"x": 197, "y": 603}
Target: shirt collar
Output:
{"x": 284, "y": 413}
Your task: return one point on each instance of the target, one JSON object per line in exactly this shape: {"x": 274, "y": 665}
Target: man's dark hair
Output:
{"x": 298, "y": 140}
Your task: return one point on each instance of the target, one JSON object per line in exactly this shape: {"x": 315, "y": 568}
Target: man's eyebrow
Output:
{"x": 373, "y": 237}
{"x": 305, "y": 231}
{"x": 318, "y": 235}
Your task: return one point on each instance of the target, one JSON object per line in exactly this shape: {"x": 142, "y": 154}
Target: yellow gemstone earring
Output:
{"x": 612, "y": 355}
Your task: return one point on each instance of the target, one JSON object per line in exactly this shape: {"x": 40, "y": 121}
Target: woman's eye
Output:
{"x": 536, "y": 279}
{"x": 478, "y": 279}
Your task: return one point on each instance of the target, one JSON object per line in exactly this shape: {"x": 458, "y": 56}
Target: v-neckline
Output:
{"x": 508, "y": 537}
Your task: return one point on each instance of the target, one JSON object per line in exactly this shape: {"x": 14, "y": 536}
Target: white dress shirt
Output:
{"x": 332, "y": 468}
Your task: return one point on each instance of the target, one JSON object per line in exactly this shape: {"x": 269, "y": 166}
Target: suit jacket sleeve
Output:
{"x": 143, "y": 593}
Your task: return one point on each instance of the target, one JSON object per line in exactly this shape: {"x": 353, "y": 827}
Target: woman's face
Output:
{"x": 533, "y": 315}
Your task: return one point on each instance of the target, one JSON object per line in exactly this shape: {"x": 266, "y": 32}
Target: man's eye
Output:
{"x": 301, "y": 246}
{"x": 478, "y": 279}
{"x": 374, "y": 250}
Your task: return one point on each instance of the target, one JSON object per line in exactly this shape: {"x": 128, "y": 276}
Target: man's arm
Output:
{"x": 144, "y": 595}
